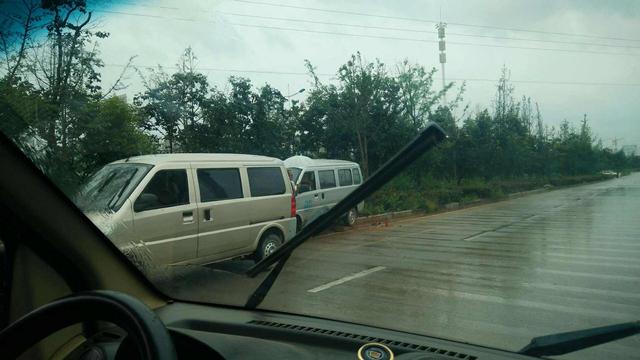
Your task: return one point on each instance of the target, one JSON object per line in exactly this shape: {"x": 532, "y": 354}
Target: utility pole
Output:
{"x": 443, "y": 55}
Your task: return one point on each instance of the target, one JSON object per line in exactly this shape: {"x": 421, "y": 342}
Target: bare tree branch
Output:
{"x": 26, "y": 31}
{"x": 73, "y": 48}
{"x": 5, "y": 49}
{"x": 66, "y": 18}
{"x": 120, "y": 77}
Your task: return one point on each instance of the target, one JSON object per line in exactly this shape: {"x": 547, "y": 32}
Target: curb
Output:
{"x": 531, "y": 192}
{"x": 386, "y": 216}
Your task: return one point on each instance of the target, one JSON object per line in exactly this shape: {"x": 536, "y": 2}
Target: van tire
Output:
{"x": 350, "y": 217}
{"x": 270, "y": 241}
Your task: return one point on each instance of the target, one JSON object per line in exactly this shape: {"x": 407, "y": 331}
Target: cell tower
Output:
{"x": 443, "y": 55}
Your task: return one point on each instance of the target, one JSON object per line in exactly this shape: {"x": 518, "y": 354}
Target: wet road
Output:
{"x": 495, "y": 275}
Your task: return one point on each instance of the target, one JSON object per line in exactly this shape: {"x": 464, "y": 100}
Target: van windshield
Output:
{"x": 108, "y": 188}
{"x": 294, "y": 173}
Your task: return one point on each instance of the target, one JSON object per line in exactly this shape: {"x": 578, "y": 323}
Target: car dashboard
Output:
{"x": 212, "y": 333}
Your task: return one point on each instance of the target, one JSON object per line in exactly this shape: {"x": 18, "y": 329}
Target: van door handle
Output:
{"x": 187, "y": 217}
{"x": 322, "y": 196}
{"x": 207, "y": 215}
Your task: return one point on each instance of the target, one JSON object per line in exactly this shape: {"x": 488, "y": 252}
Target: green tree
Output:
{"x": 50, "y": 83}
{"x": 417, "y": 96}
{"x": 362, "y": 116}
{"x": 111, "y": 131}
{"x": 270, "y": 129}
{"x": 174, "y": 104}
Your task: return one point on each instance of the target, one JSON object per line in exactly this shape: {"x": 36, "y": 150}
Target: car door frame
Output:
{"x": 203, "y": 206}
{"x": 190, "y": 249}
{"x": 309, "y": 213}
{"x": 360, "y": 206}
{"x": 327, "y": 195}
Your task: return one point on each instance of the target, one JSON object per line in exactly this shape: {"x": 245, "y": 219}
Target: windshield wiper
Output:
{"x": 116, "y": 197}
{"x": 563, "y": 343}
{"x": 426, "y": 140}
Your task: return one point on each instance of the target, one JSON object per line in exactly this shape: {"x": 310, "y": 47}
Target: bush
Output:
{"x": 578, "y": 179}
{"x": 429, "y": 195}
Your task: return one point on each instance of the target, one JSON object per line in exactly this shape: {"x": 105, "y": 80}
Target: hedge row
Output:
{"x": 404, "y": 194}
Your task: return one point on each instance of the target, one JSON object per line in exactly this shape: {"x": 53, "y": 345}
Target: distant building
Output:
{"x": 630, "y": 150}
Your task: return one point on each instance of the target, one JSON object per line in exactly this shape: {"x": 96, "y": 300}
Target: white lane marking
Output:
{"x": 346, "y": 278}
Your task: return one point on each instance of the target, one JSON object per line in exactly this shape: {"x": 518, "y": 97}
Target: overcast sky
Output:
{"x": 158, "y": 31}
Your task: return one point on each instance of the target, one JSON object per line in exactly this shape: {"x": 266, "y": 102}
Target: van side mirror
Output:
{"x": 146, "y": 201}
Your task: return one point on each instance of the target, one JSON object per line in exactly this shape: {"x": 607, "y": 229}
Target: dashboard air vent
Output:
{"x": 405, "y": 345}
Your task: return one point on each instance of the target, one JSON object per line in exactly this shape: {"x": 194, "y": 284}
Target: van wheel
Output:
{"x": 350, "y": 217}
{"x": 268, "y": 244}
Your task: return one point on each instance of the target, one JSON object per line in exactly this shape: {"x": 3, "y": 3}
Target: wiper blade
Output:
{"x": 116, "y": 197}
{"x": 425, "y": 141}
{"x": 563, "y": 343}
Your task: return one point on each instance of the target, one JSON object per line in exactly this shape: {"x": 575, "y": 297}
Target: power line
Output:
{"x": 151, "y": 16}
{"x": 327, "y": 23}
{"x": 120, "y": 2}
{"x": 432, "y": 21}
{"x": 335, "y": 11}
{"x": 272, "y": 72}
{"x": 544, "y": 82}
{"x": 332, "y": 33}
{"x": 383, "y": 28}
{"x": 375, "y": 27}
{"x": 423, "y": 31}
{"x": 275, "y": 72}
{"x": 367, "y": 36}
{"x": 429, "y": 41}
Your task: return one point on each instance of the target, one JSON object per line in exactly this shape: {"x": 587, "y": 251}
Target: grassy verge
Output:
{"x": 428, "y": 195}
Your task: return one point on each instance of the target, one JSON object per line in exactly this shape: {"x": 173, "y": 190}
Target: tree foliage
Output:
{"x": 54, "y": 104}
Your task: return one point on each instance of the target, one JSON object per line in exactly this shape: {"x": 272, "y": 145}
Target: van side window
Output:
{"x": 308, "y": 182}
{"x": 265, "y": 181}
{"x": 357, "y": 178}
{"x": 167, "y": 188}
{"x": 327, "y": 179}
{"x": 344, "y": 175}
{"x": 219, "y": 184}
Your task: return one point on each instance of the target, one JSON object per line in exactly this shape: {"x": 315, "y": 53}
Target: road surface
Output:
{"x": 495, "y": 275}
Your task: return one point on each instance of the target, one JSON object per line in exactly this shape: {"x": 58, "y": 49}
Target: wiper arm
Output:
{"x": 426, "y": 140}
{"x": 563, "y": 343}
{"x": 116, "y": 197}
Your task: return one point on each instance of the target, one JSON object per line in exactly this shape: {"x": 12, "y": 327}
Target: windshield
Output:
{"x": 294, "y": 173}
{"x": 109, "y": 187}
{"x": 522, "y": 222}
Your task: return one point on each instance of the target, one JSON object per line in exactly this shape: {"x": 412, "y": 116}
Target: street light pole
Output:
{"x": 294, "y": 94}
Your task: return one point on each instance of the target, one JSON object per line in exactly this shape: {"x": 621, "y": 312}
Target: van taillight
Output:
{"x": 293, "y": 205}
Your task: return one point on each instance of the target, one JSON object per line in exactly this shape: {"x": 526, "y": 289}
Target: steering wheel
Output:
{"x": 143, "y": 327}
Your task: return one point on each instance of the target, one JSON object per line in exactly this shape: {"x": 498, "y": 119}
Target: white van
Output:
{"x": 320, "y": 184}
{"x": 193, "y": 208}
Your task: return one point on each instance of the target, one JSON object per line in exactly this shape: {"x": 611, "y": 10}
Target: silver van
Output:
{"x": 193, "y": 208}
{"x": 320, "y": 184}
